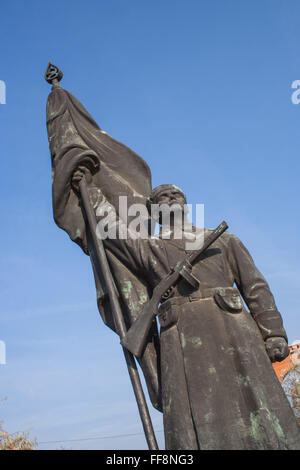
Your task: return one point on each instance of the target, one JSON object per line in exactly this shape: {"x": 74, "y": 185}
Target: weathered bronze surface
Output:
{"x": 75, "y": 211}
{"x": 209, "y": 370}
{"x": 135, "y": 338}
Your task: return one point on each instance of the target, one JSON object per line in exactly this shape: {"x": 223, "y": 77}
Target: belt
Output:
{"x": 227, "y": 298}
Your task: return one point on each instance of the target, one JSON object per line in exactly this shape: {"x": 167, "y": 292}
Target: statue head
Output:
{"x": 168, "y": 196}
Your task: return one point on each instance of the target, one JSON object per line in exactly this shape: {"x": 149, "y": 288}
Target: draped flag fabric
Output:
{"x": 76, "y": 139}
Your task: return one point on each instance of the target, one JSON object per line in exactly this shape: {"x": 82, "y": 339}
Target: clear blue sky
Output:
{"x": 202, "y": 90}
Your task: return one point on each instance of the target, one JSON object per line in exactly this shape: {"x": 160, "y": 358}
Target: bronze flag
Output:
{"x": 74, "y": 139}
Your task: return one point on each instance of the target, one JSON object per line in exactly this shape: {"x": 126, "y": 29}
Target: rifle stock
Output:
{"x": 135, "y": 338}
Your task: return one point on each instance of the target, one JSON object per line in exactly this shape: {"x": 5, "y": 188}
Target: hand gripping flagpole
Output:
{"x": 53, "y": 76}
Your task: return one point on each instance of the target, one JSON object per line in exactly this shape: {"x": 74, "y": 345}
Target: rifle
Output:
{"x": 135, "y": 338}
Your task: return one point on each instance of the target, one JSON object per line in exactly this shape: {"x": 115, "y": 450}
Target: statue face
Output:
{"x": 168, "y": 205}
{"x": 170, "y": 197}
{"x": 171, "y": 203}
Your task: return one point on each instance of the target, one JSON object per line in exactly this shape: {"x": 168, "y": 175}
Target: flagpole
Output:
{"x": 53, "y": 75}
{"x": 117, "y": 315}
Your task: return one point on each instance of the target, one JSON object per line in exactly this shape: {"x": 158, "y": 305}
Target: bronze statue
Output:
{"x": 209, "y": 368}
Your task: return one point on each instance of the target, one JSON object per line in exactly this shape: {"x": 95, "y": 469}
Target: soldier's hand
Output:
{"x": 82, "y": 171}
{"x": 277, "y": 349}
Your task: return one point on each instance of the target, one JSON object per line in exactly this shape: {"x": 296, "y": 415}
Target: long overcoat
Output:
{"x": 219, "y": 389}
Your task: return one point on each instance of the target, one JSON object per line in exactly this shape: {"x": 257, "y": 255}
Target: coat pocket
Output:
{"x": 229, "y": 300}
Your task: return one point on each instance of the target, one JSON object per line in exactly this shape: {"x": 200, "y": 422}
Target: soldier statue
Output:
{"x": 208, "y": 363}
